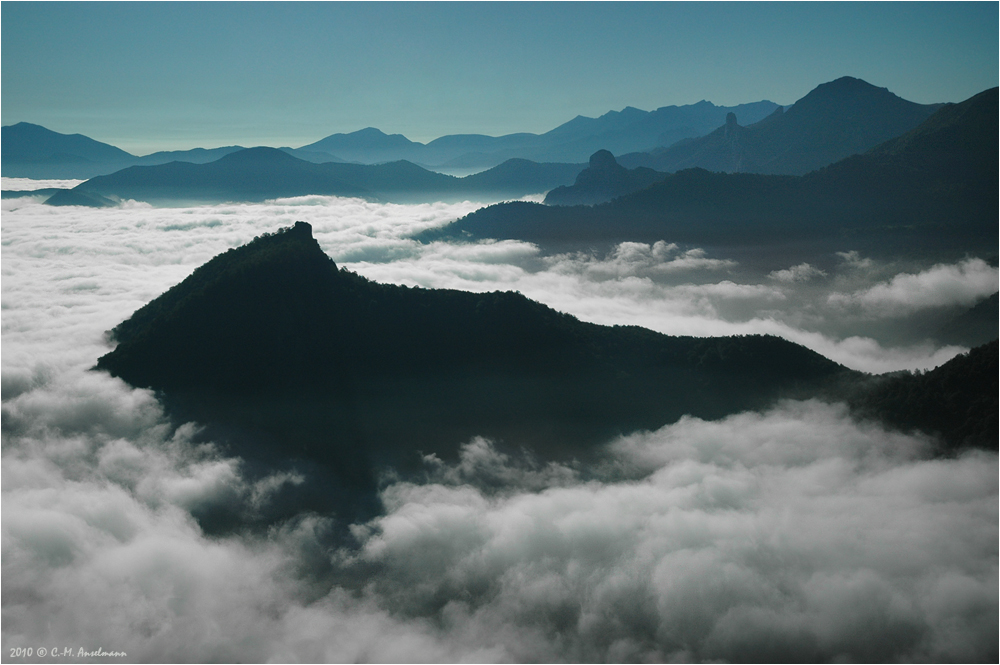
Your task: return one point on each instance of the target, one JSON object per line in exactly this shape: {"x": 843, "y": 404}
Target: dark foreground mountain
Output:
{"x": 933, "y": 188}
{"x": 289, "y": 358}
{"x": 604, "y": 179}
{"x": 293, "y": 363}
{"x": 257, "y": 174}
{"x": 835, "y": 120}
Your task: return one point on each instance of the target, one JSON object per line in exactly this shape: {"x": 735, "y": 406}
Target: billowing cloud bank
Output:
{"x": 29, "y": 184}
{"x": 797, "y": 534}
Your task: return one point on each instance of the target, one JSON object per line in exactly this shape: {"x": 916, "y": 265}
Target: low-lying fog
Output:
{"x": 793, "y": 534}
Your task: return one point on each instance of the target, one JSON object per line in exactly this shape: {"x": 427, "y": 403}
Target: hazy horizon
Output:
{"x": 150, "y": 76}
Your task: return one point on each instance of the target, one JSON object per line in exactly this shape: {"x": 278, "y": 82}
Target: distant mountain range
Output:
{"x": 32, "y": 151}
{"x": 837, "y": 119}
{"x": 934, "y": 185}
{"x": 256, "y": 174}
{"x": 617, "y": 131}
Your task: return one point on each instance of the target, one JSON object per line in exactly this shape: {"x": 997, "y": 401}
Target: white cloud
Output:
{"x": 28, "y": 184}
{"x": 785, "y": 534}
{"x": 630, "y": 259}
{"x": 941, "y": 285}
{"x": 794, "y": 534}
{"x": 855, "y": 261}
{"x": 800, "y": 273}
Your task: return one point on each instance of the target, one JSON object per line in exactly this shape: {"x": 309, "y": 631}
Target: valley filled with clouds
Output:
{"x": 796, "y": 533}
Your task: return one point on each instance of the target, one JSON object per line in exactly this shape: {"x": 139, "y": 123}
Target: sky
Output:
{"x": 152, "y": 76}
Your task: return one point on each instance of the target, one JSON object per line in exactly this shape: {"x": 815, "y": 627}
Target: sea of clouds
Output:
{"x": 794, "y": 534}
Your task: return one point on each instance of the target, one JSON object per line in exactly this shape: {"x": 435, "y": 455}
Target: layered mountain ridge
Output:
{"x": 35, "y": 152}
{"x": 835, "y": 120}
{"x": 257, "y": 174}
{"x": 932, "y": 188}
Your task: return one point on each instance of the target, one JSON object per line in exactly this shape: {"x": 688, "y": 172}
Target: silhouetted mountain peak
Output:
{"x": 301, "y": 230}
{"x": 835, "y": 120}
{"x": 28, "y": 143}
{"x": 731, "y": 125}
{"x": 603, "y": 160}
{"x": 28, "y": 128}
{"x": 602, "y": 181}
{"x": 848, "y": 83}
{"x": 299, "y": 233}
{"x": 369, "y": 138}
{"x": 848, "y": 90}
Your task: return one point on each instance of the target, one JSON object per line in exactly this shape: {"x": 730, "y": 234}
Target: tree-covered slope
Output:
{"x": 273, "y": 339}
{"x": 956, "y": 401}
{"x": 289, "y": 360}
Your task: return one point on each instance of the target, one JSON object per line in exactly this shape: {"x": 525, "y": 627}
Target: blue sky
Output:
{"x": 150, "y": 76}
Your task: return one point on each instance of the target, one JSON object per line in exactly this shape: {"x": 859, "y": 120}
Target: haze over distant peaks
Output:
{"x": 257, "y": 174}
{"x": 42, "y": 153}
{"x": 32, "y": 151}
{"x": 574, "y": 141}
{"x": 935, "y": 185}
{"x": 835, "y": 120}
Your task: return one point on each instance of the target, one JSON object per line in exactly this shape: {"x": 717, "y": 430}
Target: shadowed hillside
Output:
{"x": 290, "y": 358}
{"x": 974, "y": 327}
{"x": 956, "y": 401}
